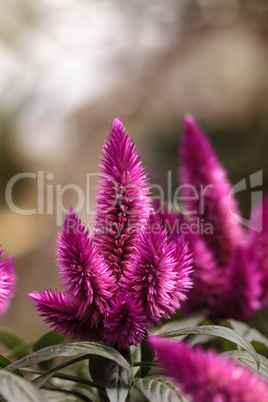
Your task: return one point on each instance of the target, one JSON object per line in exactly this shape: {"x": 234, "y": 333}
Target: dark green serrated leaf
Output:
{"x": 4, "y": 362}
{"x": 71, "y": 350}
{"x": 217, "y": 330}
{"x": 117, "y": 381}
{"x": 15, "y": 389}
{"x": 157, "y": 389}
{"x": 247, "y": 360}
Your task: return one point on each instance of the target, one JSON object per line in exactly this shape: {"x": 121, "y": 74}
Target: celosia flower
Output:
{"x": 206, "y": 376}
{"x": 122, "y": 202}
{"x": 125, "y": 322}
{"x": 86, "y": 277}
{"x": 206, "y": 191}
{"x": 230, "y": 263}
{"x": 102, "y": 276}
{"x": 202, "y": 170}
{"x": 243, "y": 287}
{"x": 154, "y": 275}
{"x": 173, "y": 222}
{"x": 62, "y": 315}
{"x": 87, "y": 283}
{"x": 8, "y": 281}
{"x": 256, "y": 246}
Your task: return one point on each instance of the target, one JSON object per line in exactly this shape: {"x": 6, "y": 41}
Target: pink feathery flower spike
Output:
{"x": 122, "y": 204}
{"x": 126, "y": 276}
{"x": 8, "y": 281}
{"x": 124, "y": 323}
{"x": 86, "y": 280}
{"x": 243, "y": 286}
{"x": 256, "y": 246}
{"x": 158, "y": 274}
{"x": 213, "y": 251}
{"x": 172, "y": 221}
{"x": 206, "y": 376}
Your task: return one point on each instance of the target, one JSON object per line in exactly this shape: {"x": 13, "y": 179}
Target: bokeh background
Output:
{"x": 68, "y": 67}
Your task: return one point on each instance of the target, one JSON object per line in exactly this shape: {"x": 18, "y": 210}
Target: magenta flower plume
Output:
{"x": 256, "y": 245}
{"x": 208, "y": 198}
{"x": 87, "y": 283}
{"x": 62, "y": 315}
{"x": 8, "y": 281}
{"x": 154, "y": 276}
{"x": 202, "y": 170}
{"x": 86, "y": 279}
{"x": 122, "y": 200}
{"x": 125, "y": 322}
{"x": 130, "y": 273}
{"x": 173, "y": 222}
{"x": 207, "y": 377}
{"x": 184, "y": 261}
{"x": 243, "y": 287}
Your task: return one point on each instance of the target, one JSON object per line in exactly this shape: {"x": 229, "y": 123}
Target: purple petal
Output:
{"x": 205, "y": 376}
{"x": 122, "y": 200}
{"x": 86, "y": 279}
{"x": 8, "y": 281}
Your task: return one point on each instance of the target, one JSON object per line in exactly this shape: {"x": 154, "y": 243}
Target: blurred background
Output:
{"x": 68, "y": 67}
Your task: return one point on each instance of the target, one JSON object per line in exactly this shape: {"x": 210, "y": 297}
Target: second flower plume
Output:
{"x": 129, "y": 274}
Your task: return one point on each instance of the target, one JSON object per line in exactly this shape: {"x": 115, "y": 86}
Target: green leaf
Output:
{"x": 217, "y": 330}
{"x": 117, "y": 381}
{"x": 14, "y": 342}
{"x": 146, "y": 356}
{"x": 16, "y": 389}
{"x": 247, "y": 360}
{"x": 95, "y": 365}
{"x": 4, "y": 362}
{"x": 57, "y": 396}
{"x": 78, "y": 380}
{"x": 49, "y": 339}
{"x": 60, "y": 395}
{"x": 157, "y": 389}
{"x": 73, "y": 349}
{"x": 9, "y": 338}
{"x": 39, "y": 381}
{"x": 177, "y": 325}
{"x": 251, "y": 334}
{"x": 259, "y": 321}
